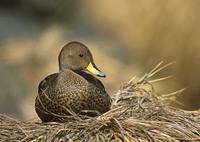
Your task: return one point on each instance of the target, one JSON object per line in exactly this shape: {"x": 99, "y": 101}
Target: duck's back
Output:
{"x": 67, "y": 91}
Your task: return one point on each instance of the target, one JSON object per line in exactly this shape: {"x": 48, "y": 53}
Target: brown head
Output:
{"x": 77, "y": 57}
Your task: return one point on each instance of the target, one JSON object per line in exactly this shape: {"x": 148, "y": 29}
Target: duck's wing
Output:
{"x": 48, "y": 84}
{"x": 43, "y": 104}
{"x": 60, "y": 93}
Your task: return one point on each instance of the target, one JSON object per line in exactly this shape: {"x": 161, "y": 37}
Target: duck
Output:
{"x": 74, "y": 90}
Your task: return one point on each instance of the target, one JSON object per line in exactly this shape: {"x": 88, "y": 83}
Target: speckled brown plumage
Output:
{"x": 71, "y": 89}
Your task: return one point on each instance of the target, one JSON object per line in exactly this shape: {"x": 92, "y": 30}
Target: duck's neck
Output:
{"x": 62, "y": 67}
{"x": 91, "y": 79}
{"x": 81, "y": 73}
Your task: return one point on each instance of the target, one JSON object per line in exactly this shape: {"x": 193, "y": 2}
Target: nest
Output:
{"x": 138, "y": 114}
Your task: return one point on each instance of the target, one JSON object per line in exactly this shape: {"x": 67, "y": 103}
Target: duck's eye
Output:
{"x": 80, "y": 55}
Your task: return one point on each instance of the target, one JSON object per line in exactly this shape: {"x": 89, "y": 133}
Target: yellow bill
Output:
{"x": 94, "y": 70}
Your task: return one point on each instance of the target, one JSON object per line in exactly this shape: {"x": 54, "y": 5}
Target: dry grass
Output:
{"x": 137, "y": 114}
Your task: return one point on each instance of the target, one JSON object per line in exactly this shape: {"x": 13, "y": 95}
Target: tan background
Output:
{"x": 127, "y": 38}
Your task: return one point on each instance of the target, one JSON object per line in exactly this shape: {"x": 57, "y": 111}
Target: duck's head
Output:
{"x": 77, "y": 57}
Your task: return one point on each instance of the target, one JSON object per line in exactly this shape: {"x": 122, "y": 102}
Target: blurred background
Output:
{"x": 127, "y": 38}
